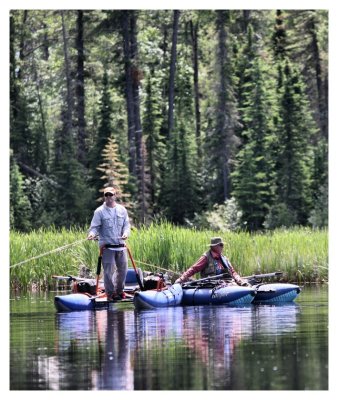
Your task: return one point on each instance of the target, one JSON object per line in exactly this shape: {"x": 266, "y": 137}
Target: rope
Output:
{"x": 48, "y": 252}
{"x": 155, "y": 266}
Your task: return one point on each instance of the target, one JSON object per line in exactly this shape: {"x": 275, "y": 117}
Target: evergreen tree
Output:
{"x": 154, "y": 141}
{"x": 319, "y": 187}
{"x": 71, "y": 200}
{"x": 280, "y": 38}
{"x": 295, "y": 155}
{"x": 103, "y": 134}
{"x": 115, "y": 173}
{"x": 63, "y": 106}
{"x": 20, "y": 207}
{"x": 178, "y": 192}
{"x": 220, "y": 137}
{"x": 253, "y": 179}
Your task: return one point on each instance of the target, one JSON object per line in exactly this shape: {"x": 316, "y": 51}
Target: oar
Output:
{"x": 135, "y": 269}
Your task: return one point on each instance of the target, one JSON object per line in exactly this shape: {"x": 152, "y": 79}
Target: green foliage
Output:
{"x": 115, "y": 173}
{"x": 178, "y": 194}
{"x": 296, "y": 252}
{"x": 70, "y": 206}
{"x": 280, "y": 215}
{"x": 223, "y": 217}
{"x": 319, "y": 217}
{"x": 295, "y": 155}
{"x": 262, "y": 89}
{"x": 104, "y": 132}
{"x": 253, "y": 179}
{"x": 220, "y": 143}
{"x": 154, "y": 141}
{"x": 20, "y": 207}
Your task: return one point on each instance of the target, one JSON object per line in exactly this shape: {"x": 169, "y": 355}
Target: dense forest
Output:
{"x": 208, "y": 118}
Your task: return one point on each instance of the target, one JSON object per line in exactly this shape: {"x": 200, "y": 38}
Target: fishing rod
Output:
{"x": 251, "y": 277}
{"x": 260, "y": 276}
{"x": 205, "y": 279}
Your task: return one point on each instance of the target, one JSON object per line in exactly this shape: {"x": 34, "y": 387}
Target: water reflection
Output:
{"x": 275, "y": 319}
{"x": 169, "y": 349}
{"x": 116, "y": 341}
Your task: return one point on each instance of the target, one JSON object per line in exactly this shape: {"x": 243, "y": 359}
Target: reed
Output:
{"x": 301, "y": 253}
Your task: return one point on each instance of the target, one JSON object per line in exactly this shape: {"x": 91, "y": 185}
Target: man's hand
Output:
{"x": 124, "y": 237}
{"x": 179, "y": 280}
{"x": 244, "y": 283}
{"x": 91, "y": 236}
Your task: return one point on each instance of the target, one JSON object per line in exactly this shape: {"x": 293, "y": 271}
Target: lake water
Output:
{"x": 258, "y": 347}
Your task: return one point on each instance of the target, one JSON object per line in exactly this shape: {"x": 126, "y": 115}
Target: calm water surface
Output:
{"x": 184, "y": 348}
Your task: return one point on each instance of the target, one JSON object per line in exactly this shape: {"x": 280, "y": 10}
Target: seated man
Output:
{"x": 212, "y": 263}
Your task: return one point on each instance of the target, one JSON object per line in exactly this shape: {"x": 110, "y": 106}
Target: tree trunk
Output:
{"x": 136, "y": 76}
{"x": 69, "y": 110}
{"x": 194, "y": 38}
{"x": 22, "y": 43}
{"x": 222, "y": 123}
{"x": 129, "y": 93}
{"x": 45, "y": 39}
{"x": 322, "y": 105}
{"x": 246, "y": 19}
{"x": 43, "y": 142}
{"x": 13, "y": 85}
{"x": 176, "y": 15}
{"x": 80, "y": 91}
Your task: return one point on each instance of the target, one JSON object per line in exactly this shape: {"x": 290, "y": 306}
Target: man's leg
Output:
{"x": 121, "y": 262}
{"x": 108, "y": 262}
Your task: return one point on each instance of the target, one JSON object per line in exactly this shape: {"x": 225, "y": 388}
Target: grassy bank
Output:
{"x": 301, "y": 253}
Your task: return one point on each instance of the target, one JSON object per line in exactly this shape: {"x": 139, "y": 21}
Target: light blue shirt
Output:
{"x": 110, "y": 223}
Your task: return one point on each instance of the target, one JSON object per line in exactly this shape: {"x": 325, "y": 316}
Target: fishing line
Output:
{"x": 48, "y": 252}
{"x": 155, "y": 266}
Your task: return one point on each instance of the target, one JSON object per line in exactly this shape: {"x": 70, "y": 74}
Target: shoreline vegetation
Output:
{"x": 300, "y": 253}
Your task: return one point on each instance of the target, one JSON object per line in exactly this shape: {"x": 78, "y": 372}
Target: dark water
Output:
{"x": 184, "y": 348}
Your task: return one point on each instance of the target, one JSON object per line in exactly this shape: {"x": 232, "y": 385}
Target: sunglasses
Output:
{"x": 221, "y": 244}
{"x": 109, "y": 195}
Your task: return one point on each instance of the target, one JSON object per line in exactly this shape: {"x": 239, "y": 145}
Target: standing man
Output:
{"x": 111, "y": 223}
{"x": 213, "y": 262}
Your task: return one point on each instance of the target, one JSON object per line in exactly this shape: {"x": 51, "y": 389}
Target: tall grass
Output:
{"x": 301, "y": 253}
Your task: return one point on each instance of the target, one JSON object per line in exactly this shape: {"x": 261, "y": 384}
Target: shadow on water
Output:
{"x": 196, "y": 348}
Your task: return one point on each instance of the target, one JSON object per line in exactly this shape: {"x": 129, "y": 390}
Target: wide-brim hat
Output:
{"x": 216, "y": 241}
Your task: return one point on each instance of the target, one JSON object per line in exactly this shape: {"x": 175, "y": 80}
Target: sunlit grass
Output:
{"x": 300, "y": 253}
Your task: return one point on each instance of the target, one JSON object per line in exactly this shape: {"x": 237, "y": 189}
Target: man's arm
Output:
{"x": 235, "y": 275}
{"x": 126, "y": 227}
{"x": 94, "y": 226}
{"x": 197, "y": 267}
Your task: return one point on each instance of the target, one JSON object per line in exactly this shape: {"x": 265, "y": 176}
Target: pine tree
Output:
{"x": 20, "y": 207}
{"x": 220, "y": 136}
{"x": 253, "y": 179}
{"x": 103, "y": 134}
{"x": 154, "y": 142}
{"x": 71, "y": 200}
{"x": 280, "y": 38}
{"x": 115, "y": 173}
{"x": 178, "y": 192}
{"x": 295, "y": 155}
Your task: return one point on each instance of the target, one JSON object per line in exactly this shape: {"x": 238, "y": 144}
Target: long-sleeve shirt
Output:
{"x": 202, "y": 263}
{"x": 110, "y": 223}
